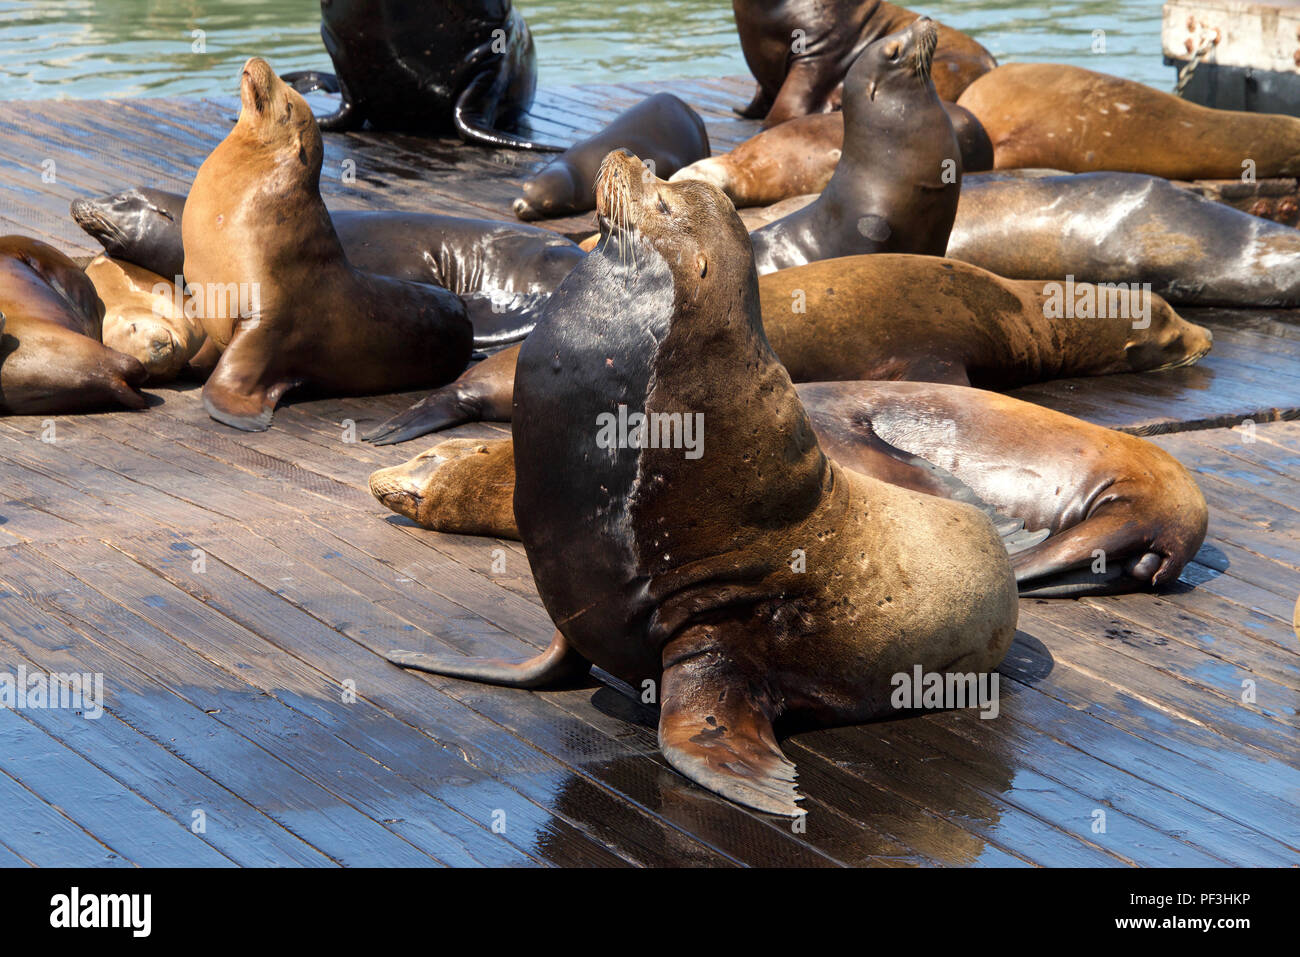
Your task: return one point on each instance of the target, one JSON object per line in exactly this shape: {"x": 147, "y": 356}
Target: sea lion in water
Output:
{"x": 144, "y": 318}
{"x": 466, "y": 65}
{"x": 889, "y": 316}
{"x": 799, "y": 156}
{"x": 1090, "y": 487}
{"x": 896, "y": 186}
{"x": 503, "y": 271}
{"x": 1127, "y": 228}
{"x": 755, "y": 581}
{"x": 799, "y": 51}
{"x": 255, "y": 229}
{"x": 663, "y": 130}
{"x": 51, "y": 357}
{"x": 1065, "y": 117}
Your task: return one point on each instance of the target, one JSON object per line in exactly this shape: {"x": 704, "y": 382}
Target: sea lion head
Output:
{"x": 126, "y": 221}
{"x": 151, "y": 342}
{"x": 896, "y": 64}
{"x": 1169, "y": 342}
{"x": 690, "y": 225}
{"x": 277, "y": 116}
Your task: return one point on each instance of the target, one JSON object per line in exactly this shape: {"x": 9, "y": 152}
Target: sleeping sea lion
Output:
{"x": 144, "y": 318}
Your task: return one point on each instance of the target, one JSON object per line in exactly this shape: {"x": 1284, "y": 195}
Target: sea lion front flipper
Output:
{"x": 757, "y": 108}
{"x": 242, "y": 391}
{"x": 715, "y": 725}
{"x": 475, "y": 127}
{"x": 559, "y": 662}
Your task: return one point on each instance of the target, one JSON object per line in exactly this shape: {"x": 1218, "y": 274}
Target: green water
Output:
{"x": 119, "y": 48}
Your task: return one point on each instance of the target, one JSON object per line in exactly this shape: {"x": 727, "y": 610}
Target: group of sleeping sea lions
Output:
{"x": 755, "y": 550}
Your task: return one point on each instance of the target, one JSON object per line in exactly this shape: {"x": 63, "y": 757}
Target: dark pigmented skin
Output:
{"x": 51, "y": 357}
{"x": 833, "y": 32}
{"x": 254, "y": 219}
{"x": 1068, "y": 118}
{"x": 889, "y": 316}
{"x": 462, "y": 65}
{"x": 1089, "y": 487}
{"x": 503, "y": 271}
{"x": 655, "y": 566}
{"x": 661, "y": 130}
{"x": 896, "y": 186}
{"x": 1127, "y": 228}
{"x": 799, "y": 157}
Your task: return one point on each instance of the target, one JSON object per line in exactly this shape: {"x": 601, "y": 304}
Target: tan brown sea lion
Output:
{"x": 1122, "y": 513}
{"x": 754, "y": 581}
{"x": 800, "y": 51}
{"x": 51, "y": 357}
{"x": 799, "y": 156}
{"x": 1066, "y": 117}
{"x": 281, "y": 300}
{"x": 662, "y": 129}
{"x": 903, "y": 317}
{"x": 144, "y": 317}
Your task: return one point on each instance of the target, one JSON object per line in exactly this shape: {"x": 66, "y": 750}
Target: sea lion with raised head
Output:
{"x": 51, "y": 357}
{"x": 503, "y": 271}
{"x": 800, "y": 51}
{"x": 1127, "y": 228}
{"x": 662, "y": 130}
{"x": 280, "y": 298}
{"x": 463, "y": 65}
{"x": 739, "y": 569}
{"x": 1069, "y": 118}
{"x": 889, "y": 316}
{"x": 896, "y": 185}
{"x": 799, "y": 157}
{"x": 145, "y": 318}
{"x": 1119, "y": 513}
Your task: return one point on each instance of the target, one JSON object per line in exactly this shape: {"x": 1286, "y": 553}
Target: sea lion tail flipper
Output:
{"x": 715, "y": 731}
{"x": 558, "y": 663}
{"x": 474, "y": 127}
{"x": 241, "y": 392}
{"x": 308, "y": 81}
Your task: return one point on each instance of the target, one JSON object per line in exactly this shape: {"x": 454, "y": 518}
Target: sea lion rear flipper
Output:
{"x": 716, "y": 730}
{"x": 242, "y": 392}
{"x": 559, "y": 662}
{"x": 474, "y": 127}
{"x": 757, "y": 108}
{"x": 483, "y": 394}
{"x": 307, "y": 81}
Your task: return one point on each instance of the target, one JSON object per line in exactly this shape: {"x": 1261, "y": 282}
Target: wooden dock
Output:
{"x": 237, "y": 592}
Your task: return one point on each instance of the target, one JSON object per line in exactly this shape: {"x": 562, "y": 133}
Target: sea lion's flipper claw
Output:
{"x": 558, "y": 663}
{"x": 715, "y": 731}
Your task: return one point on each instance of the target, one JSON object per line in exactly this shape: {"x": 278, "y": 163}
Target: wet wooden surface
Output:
{"x": 237, "y": 592}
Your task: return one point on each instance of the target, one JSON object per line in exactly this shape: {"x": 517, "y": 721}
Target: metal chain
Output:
{"x": 1208, "y": 41}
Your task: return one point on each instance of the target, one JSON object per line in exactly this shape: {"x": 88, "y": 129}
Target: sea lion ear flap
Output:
{"x": 715, "y": 730}
{"x": 871, "y": 90}
{"x": 702, "y": 264}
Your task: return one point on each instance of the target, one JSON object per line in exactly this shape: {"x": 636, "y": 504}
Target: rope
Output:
{"x": 1208, "y": 41}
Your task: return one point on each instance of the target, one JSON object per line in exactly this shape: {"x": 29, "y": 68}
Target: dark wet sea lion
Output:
{"x": 1065, "y": 117}
{"x": 466, "y": 65}
{"x": 1090, "y": 487}
{"x": 889, "y": 316}
{"x": 51, "y": 357}
{"x": 755, "y": 581}
{"x": 145, "y": 318}
{"x": 799, "y": 156}
{"x": 662, "y": 130}
{"x": 1125, "y": 227}
{"x": 801, "y": 50}
{"x": 896, "y": 186}
{"x": 279, "y": 296}
{"x": 503, "y": 271}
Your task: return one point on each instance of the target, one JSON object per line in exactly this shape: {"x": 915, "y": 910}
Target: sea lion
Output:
{"x": 800, "y": 51}
{"x": 51, "y": 357}
{"x": 887, "y": 316}
{"x": 1127, "y": 228}
{"x": 279, "y": 297}
{"x": 503, "y": 271}
{"x": 1119, "y": 513}
{"x": 755, "y": 581}
{"x": 466, "y": 65}
{"x": 145, "y": 318}
{"x": 896, "y": 186}
{"x": 799, "y": 156}
{"x": 662, "y": 129}
{"x": 1066, "y": 117}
